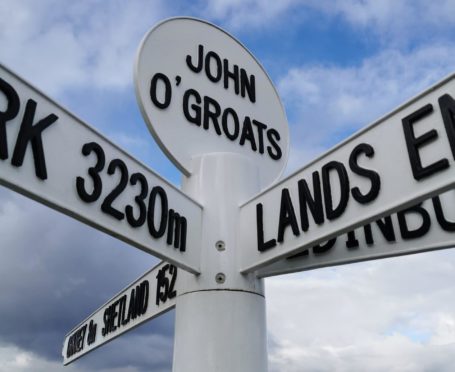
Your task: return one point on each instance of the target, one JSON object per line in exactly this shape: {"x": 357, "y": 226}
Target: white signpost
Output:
{"x": 51, "y": 156}
{"x": 401, "y": 159}
{"x": 202, "y": 92}
{"x": 424, "y": 227}
{"x": 214, "y": 111}
{"x": 151, "y": 295}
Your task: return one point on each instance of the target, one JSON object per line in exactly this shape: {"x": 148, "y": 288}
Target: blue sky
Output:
{"x": 338, "y": 65}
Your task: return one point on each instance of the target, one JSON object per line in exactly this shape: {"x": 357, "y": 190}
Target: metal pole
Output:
{"x": 220, "y": 321}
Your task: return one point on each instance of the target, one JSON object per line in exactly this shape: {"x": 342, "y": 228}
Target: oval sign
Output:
{"x": 202, "y": 92}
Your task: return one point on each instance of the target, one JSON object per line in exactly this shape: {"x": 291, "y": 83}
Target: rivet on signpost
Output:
{"x": 220, "y": 278}
{"x": 220, "y": 246}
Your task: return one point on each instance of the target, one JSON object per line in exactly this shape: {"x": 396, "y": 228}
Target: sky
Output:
{"x": 338, "y": 66}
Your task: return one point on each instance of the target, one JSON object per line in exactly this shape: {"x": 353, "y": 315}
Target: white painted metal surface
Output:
{"x": 216, "y": 114}
{"x": 201, "y": 91}
{"x": 67, "y": 185}
{"x": 422, "y": 228}
{"x": 426, "y": 147}
{"x": 151, "y": 295}
{"x": 220, "y": 314}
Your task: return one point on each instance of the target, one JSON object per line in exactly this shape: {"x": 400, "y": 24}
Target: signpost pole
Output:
{"x": 220, "y": 314}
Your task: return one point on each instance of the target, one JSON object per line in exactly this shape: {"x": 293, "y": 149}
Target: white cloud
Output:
{"x": 395, "y": 315}
{"x": 338, "y": 100}
{"x": 394, "y": 21}
{"x": 73, "y": 44}
{"x": 14, "y": 359}
{"x": 252, "y": 13}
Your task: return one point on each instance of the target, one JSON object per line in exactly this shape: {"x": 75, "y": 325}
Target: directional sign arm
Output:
{"x": 49, "y": 155}
{"x": 151, "y": 295}
{"x": 402, "y": 159}
{"x": 424, "y": 227}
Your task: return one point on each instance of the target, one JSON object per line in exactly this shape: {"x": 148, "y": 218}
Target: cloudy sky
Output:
{"x": 338, "y": 65}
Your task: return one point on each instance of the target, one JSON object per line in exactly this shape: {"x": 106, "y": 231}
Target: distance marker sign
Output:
{"x": 201, "y": 91}
{"x": 402, "y": 159}
{"x": 149, "y": 296}
{"x": 49, "y": 155}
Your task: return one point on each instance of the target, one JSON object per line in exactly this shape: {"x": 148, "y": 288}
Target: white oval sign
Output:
{"x": 201, "y": 91}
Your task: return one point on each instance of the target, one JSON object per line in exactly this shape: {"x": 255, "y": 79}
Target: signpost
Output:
{"x": 53, "y": 157}
{"x": 215, "y": 113}
{"x": 403, "y": 158}
{"x": 202, "y": 92}
{"x": 424, "y": 227}
{"x": 151, "y": 295}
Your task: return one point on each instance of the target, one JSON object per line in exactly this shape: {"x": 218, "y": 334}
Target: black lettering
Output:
{"x": 247, "y": 85}
{"x": 413, "y": 144}
{"x": 166, "y": 100}
{"x": 330, "y": 211}
{"x": 170, "y": 227}
{"x": 140, "y": 201}
{"x": 30, "y": 132}
{"x": 262, "y": 246}
{"x": 122, "y": 311}
{"x": 212, "y": 115}
{"x": 368, "y": 234}
{"x": 173, "y": 271}
{"x": 235, "y": 119}
{"x": 445, "y": 224}
{"x": 125, "y": 320}
{"x": 406, "y": 232}
{"x": 261, "y": 127}
{"x": 138, "y": 300}
{"x": 274, "y": 150}
{"x": 386, "y": 227}
{"x": 132, "y": 313}
{"x": 208, "y": 70}
{"x": 104, "y": 331}
{"x": 308, "y": 201}
{"x": 76, "y": 342}
{"x": 176, "y": 230}
{"x": 189, "y": 62}
{"x": 367, "y": 173}
{"x": 145, "y": 296}
{"x": 81, "y": 338}
{"x": 113, "y": 316}
{"x": 352, "y": 241}
{"x": 318, "y": 249}
{"x": 234, "y": 75}
{"x": 119, "y": 313}
{"x": 247, "y": 134}
{"x": 196, "y": 117}
{"x": 287, "y": 216}
{"x": 162, "y": 283}
{"x": 91, "y": 336}
{"x": 106, "y": 206}
{"x": 12, "y": 109}
{"x": 157, "y": 233}
{"x": 447, "y": 106}
{"x": 94, "y": 173}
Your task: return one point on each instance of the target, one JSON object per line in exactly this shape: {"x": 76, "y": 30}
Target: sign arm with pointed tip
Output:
{"x": 49, "y": 155}
{"x": 151, "y": 295}
{"x": 424, "y": 227}
{"x": 398, "y": 161}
